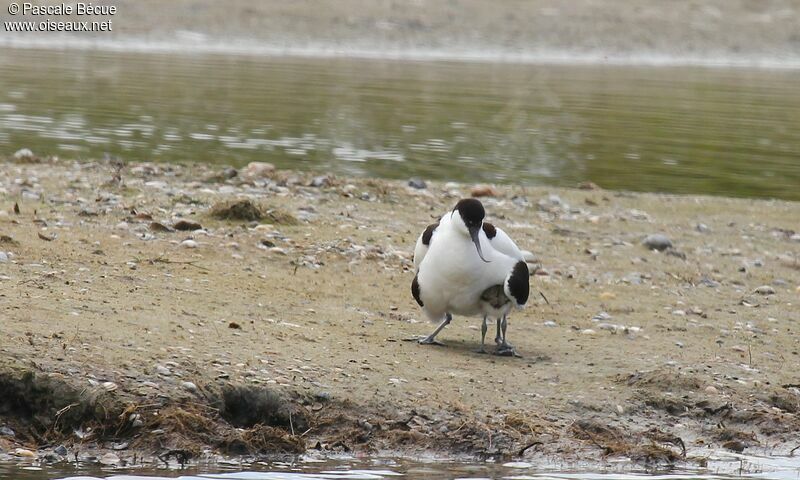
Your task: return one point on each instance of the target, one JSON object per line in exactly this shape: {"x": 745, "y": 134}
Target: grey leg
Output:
{"x": 504, "y": 348}
{"x": 484, "y": 327}
{"x": 431, "y": 339}
{"x": 504, "y": 325}
{"x": 498, "y": 338}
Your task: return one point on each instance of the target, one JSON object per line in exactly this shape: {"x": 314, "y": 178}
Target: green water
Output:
{"x": 715, "y": 131}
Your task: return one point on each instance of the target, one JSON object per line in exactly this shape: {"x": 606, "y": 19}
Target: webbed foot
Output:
{"x": 430, "y": 341}
{"x": 506, "y": 350}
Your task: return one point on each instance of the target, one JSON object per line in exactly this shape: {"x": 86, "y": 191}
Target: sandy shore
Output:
{"x": 708, "y": 31}
{"x": 122, "y": 336}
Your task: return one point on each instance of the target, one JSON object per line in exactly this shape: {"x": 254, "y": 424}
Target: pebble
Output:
{"x": 109, "y": 459}
{"x": 550, "y": 323}
{"x": 6, "y": 432}
{"x": 417, "y": 183}
{"x": 602, "y": 316}
{"x": 189, "y": 244}
{"x": 24, "y": 154}
{"x": 711, "y": 390}
{"x": 552, "y": 204}
{"x": 702, "y": 228}
{"x": 109, "y": 386}
{"x": 256, "y": 170}
{"x": 588, "y": 331}
{"x": 483, "y": 191}
{"x": 52, "y": 458}
{"x": 657, "y": 242}
{"x": 321, "y": 181}
{"x": 162, "y": 370}
{"x": 765, "y": 290}
{"x": 795, "y": 237}
{"x": 518, "y": 465}
{"x": 61, "y": 450}
{"x": 189, "y": 386}
{"x": 709, "y": 282}
{"x": 24, "y": 452}
{"x": 3, "y": 257}
{"x": 229, "y": 172}
{"x": 797, "y": 289}
{"x": 156, "y": 184}
{"x": 122, "y": 226}
{"x": 136, "y": 420}
{"x": 323, "y": 396}
{"x": 187, "y": 225}
{"x": 520, "y": 201}
{"x": 159, "y": 227}
{"x": 680, "y": 313}
{"x": 639, "y": 215}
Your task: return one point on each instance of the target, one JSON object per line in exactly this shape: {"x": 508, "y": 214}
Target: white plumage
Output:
{"x": 467, "y": 267}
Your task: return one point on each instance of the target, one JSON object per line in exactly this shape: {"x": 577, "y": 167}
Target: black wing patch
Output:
{"x": 428, "y": 233}
{"x": 518, "y": 285}
{"x": 489, "y": 230}
{"x": 415, "y": 291}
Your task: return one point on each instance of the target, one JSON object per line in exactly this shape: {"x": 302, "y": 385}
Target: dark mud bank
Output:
{"x": 41, "y": 410}
{"x": 51, "y": 414}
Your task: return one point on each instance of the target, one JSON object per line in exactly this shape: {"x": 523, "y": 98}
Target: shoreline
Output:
{"x": 709, "y": 32}
{"x": 260, "y": 51}
{"x": 137, "y": 330}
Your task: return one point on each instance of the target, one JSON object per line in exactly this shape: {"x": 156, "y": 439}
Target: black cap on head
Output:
{"x": 471, "y": 211}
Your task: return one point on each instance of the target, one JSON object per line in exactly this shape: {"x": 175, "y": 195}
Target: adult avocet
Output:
{"x": 465, "y": 266}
